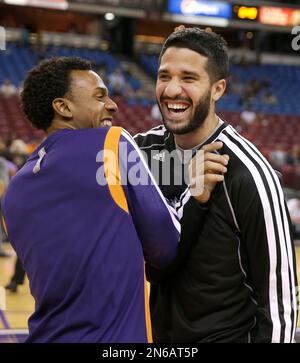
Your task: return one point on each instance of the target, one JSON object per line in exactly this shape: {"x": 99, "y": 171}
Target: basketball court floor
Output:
{"x": 20, "y": 305}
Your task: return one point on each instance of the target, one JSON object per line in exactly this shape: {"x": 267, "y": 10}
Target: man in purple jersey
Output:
{"x": 80, "y": 225}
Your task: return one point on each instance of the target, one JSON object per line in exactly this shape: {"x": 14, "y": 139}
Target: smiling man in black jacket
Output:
{"x": 238, "y": 283}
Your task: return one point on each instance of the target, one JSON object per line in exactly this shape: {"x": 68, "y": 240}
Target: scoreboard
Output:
{"x": 215, "y": 12}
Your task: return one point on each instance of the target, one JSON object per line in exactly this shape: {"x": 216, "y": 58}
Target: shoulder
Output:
{"x": 155, "y": 136}
{"x": 90, "y": 139}
{"x": 247, "y": 166}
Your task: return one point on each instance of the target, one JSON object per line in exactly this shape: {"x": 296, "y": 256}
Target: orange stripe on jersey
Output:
{"x": 112, "y": 169}
{"x": 4, "y": 226}
{"x": 147, "y": 311}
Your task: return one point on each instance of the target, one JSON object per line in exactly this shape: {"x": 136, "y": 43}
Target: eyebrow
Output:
{"x": 191, "y": 73}
{"x": 101, "y": 89}
{"x": 186, "y": 73}
{"x": 162, "y": 71}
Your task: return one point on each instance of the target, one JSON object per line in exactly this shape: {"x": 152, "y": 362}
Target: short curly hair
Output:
{"x": 50, "y": 79}
{"x": 206, "y": 43}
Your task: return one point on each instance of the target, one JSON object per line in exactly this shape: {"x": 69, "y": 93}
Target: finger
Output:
{"x": 211, "y": 156}
{"x": 213, "y": 178}
{"x": 223, "y": 159}
{"x": 198, "y": 185}
{"x": 210, "y": 181}
{"x": 226, "y": 156}
{"x": 179, "y": 28}
{"x": 197, "y": 170}
{"x": 217, "y": 145}
{"x": 213, "y": 167}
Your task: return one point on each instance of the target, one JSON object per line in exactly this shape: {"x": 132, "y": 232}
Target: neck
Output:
{"x": 196, "y": 137}
{"x": 60, "y": 125}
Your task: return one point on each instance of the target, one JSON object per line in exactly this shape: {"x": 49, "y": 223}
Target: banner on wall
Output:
{"x": 218, "y": 9}
{"x": 52, "y": 4}
{"x": 147, "y": 5}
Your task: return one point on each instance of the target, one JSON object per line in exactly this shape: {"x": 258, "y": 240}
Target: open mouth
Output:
{"x": 107, "y": 122}
{"x": 176, "y": 109}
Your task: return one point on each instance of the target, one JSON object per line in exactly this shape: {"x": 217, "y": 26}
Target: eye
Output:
{"x": 163, "y": 77}
{"x": 189, "y": 79}
{"x": 101, "y": 97}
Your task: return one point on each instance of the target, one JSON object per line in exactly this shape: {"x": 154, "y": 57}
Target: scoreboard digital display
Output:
{"x": 240, "y": 12}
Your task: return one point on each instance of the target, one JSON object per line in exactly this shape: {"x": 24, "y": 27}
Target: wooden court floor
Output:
{"x": 20, "y": 305}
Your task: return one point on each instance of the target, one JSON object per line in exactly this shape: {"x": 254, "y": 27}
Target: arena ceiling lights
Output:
{"x": 52, "y": 4}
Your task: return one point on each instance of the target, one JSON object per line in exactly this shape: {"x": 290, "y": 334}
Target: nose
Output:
{"x": 111, "y": 106}
{"x": 173, "y": 89}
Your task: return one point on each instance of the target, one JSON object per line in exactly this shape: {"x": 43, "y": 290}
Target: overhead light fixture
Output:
{"x": 109, "y": 16}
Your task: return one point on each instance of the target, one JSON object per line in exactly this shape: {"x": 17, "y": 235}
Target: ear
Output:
{"x": 61, "y": 107}
{"x": 218, "y": 89}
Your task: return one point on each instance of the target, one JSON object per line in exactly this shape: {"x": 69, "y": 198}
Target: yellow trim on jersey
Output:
{"x": 112, "y": 169}
{"x": 147, "y": 311}
{"x": 4, "y": 226}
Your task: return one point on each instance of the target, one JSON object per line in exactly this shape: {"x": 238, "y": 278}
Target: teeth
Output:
{"x": 106, "y": 123}
{"x": 176, "y": 106}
